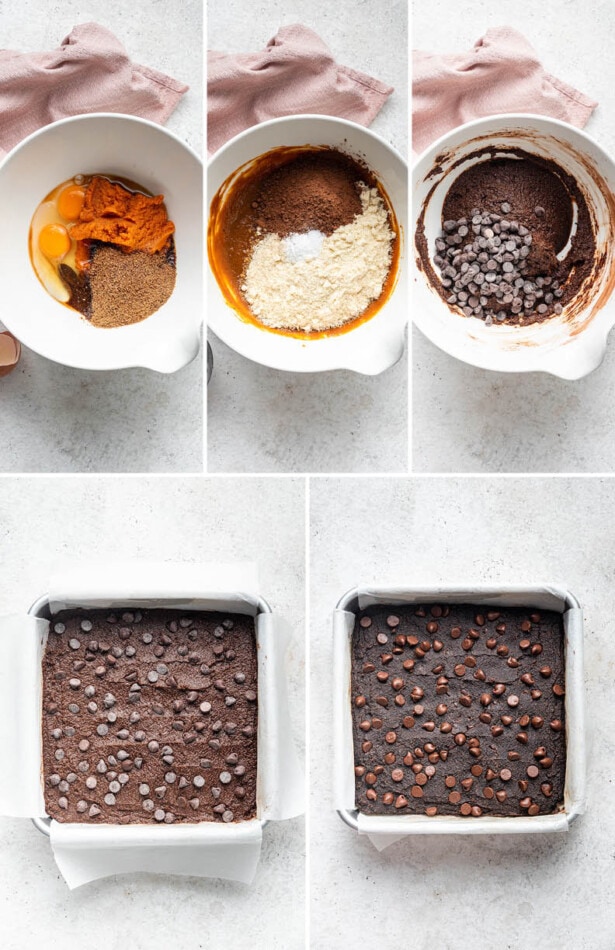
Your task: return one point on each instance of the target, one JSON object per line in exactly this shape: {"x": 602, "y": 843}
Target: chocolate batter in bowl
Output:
{"x": 551, "y": 188}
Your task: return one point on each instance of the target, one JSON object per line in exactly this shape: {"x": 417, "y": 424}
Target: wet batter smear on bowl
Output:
{"x": 104, "y": 246}
{"x": 307, "y": 239}
{"x": 516, "y": 241}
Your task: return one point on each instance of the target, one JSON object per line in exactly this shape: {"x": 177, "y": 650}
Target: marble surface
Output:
{"x": 47, "y": 521}
{"x": 471, "y": 420}
{"x": 481, "y": 892}
{"x": 263, "y": 420}
{"x": 57, "y": 419}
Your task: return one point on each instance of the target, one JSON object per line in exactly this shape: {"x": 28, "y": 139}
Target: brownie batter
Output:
{"x": 150, "y": 716}
{"x": 524, "y": 185}
{"x": 538, "y": 195}
{"x": 458, "y": 710}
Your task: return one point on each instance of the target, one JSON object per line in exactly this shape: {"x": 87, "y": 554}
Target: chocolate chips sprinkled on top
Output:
{"x": 461, "y": 730}
{"x": 158, "y": 724}
{"x": 483, "y": 261}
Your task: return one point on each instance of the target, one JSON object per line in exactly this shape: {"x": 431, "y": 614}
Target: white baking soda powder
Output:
{"x": 300, "y": 247}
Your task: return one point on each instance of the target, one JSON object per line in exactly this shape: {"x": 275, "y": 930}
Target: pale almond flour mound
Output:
{"x": 333, "y": 287}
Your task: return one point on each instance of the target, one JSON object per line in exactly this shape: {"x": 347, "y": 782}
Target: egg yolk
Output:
{"x": 70, "y": 202}
{"x": 54, "y": 241}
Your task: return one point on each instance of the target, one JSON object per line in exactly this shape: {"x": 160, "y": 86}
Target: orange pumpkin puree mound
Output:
{"x": 131, "y": 220}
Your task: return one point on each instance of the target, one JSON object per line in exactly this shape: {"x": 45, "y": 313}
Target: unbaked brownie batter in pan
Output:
{"x": 150, "y": 716}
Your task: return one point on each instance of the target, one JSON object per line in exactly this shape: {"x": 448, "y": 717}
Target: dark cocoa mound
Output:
{"x": 317, "y": 191}
{"x": 524, "y": 185}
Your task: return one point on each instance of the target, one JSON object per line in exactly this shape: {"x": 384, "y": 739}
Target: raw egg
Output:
{"x": 50, "y": 241}
{"x": 54, "y": 241}
{"x": 70, "y": 202}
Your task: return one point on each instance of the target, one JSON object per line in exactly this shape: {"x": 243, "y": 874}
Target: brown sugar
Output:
{"x": 132, "y": 220}
{"x": 127, "y": 288}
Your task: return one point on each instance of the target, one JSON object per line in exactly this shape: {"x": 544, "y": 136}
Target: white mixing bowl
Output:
{"x": 570, "y": 345}
{"x": 131, "y": 148}
{"x": 368, "y": 348}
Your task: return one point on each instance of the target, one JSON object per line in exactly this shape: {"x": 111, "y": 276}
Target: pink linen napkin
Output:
{"x": 296, "y": 73}
{"x": 501, "y": 74}
{"x": 89, "y": 72}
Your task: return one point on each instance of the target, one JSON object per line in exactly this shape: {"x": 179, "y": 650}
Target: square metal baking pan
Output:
{"x": 41, "y": 608}
{"x": 546, "y": 596}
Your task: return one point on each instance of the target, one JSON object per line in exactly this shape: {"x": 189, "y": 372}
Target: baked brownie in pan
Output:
{"x": 458, "y": 710}
{"x": 150, "y": 716}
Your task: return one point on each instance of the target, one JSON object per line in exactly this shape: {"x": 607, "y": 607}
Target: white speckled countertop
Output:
{"x": 443, "y": 893}
{"x": 56, "y": 419}
{"x": 470, "y": 420}
{"x": 46, "y": 521}
{"x": 262, "y": 420}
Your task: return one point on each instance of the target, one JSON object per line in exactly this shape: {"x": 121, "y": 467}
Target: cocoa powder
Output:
{"x": 317, "y": 191}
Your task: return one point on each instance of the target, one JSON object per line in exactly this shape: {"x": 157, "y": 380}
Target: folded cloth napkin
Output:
{"x": 89, "y": 72}
{"x": 501, "y": 74}
{"x": 294, "y": 74}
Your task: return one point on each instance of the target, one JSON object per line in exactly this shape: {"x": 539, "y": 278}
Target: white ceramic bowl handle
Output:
{"x": 578, "y": 357}
{"x": 176, "y": 353}
{"x": 383, "y": 352}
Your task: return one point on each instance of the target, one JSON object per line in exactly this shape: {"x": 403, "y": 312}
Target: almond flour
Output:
{"x": 327, "y": 290}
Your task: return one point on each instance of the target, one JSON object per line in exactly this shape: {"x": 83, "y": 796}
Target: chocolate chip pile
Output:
{"x": 483, "y": 260}
{"x": 149, "y": 716}
{"x": 458, "y": 710}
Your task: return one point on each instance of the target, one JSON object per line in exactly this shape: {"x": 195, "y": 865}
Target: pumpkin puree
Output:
{"x": 131, "y": 220}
